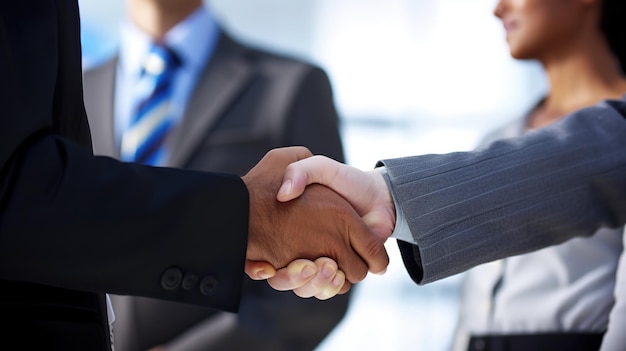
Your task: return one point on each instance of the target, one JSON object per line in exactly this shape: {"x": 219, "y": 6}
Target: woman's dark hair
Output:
{"x": 613, "y": 24}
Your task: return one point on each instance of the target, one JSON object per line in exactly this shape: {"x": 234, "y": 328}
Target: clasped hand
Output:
{"x": 316, "y": 226}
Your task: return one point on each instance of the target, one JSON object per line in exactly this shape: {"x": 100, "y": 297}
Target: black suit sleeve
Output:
{"x": 72, "y": 220}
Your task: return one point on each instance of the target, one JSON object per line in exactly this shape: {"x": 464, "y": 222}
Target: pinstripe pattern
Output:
{"x": 514, "y": 196}
{"x": 143, "y": 141}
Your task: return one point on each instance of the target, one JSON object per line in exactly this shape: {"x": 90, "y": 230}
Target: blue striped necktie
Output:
{"x": 143, "y": 140}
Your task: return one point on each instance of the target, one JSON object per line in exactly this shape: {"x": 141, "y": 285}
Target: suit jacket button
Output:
{"x": 190, "y": 281}
{"x": 478, "y": 344}
{"x": 171, "y": 278}
{"x": 208, "y": 286}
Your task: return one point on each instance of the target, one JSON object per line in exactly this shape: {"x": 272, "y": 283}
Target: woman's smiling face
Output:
{"x": 536, "y": 27}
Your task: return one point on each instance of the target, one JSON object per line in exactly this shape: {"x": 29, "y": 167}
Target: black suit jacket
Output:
{"x": 73, "y": 226}
{"x": 246, "y": 102}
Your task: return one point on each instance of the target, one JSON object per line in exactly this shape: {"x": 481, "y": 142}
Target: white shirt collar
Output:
{"x": 193, "y": 39}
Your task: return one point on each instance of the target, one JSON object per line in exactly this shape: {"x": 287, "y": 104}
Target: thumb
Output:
{"x": 316, "y": 169}
{"x": 259, "y": 270}
{"x": 295, "y": 180}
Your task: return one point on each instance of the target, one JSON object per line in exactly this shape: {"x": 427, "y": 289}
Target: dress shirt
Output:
{"x": 192, "y": 39}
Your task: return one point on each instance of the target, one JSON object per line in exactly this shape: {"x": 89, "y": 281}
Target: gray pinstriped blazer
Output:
{"x": 510, "y": 197}
{"x": 516, "y": 196}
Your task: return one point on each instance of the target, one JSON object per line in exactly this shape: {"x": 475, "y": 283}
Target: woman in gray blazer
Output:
{"x": 561, "y": 295}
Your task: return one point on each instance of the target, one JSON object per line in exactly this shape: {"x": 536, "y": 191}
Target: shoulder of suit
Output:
{"x": 272, "y": 62}
{"x": 510, "y": 129}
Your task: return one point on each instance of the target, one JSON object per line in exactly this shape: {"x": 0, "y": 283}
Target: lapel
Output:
{"x": 99, "y": 95}
{"x": 227, "y": 73}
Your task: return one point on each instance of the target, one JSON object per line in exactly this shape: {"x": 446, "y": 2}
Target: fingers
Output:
{"x": 295, "y": 275}
{"x": 258, "y": 270}
{"x": 370, "y": 247}
{"x": 320, "y": 279}
{"x": 333, "y": 288}
{"x": 326, "y": 283}
{"x": 345, "y": 288}
{"x": 352, "y": 264}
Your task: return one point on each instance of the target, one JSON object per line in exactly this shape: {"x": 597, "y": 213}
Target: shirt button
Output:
{"x": 208, "y": 286}
{"x": 171, "y": 278}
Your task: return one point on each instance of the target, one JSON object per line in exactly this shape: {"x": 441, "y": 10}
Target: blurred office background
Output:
{"x": 410, "y": 77}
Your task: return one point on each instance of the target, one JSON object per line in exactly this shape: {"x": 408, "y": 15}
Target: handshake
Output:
{"x": 316, "y": 226}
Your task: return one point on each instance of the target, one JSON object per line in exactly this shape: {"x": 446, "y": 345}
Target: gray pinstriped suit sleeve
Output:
{"x": 513, "y": 196}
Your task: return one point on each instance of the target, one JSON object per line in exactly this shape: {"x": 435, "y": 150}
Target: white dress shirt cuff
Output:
{"x": 401, "y": 230}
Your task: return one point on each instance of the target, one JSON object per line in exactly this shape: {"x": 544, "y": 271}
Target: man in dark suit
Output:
{"x": 74, "y": 226}
{"x": 241, "y": 102}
